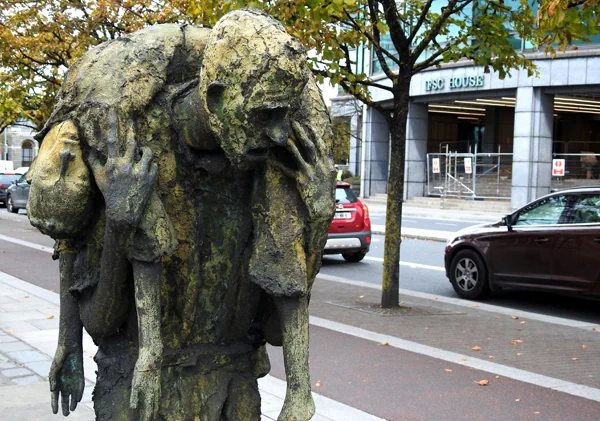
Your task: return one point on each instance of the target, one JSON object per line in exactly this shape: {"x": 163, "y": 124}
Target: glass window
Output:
{"x": 548, "y": 211}
{"x": 344, "y": 195}
{"x": 22, "y": 179}
{"x": 586, "y": 210}
{"x": 26, "y": 153}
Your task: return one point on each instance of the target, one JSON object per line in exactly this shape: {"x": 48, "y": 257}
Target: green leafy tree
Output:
{"x": 341, "y": 139}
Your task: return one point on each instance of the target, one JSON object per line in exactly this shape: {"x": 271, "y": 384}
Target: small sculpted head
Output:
{"x": 61, "y": 196}
{"x": 252, "y": 77}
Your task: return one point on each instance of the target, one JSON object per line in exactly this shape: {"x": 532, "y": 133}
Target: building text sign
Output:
{"x": 454, "y": 83}
{"x": 558, "y": 168}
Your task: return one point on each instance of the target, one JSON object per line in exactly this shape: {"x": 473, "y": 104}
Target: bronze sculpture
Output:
{"x": 187, "y": 176}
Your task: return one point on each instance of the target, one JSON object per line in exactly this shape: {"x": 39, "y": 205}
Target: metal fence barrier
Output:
{"x": 472, "y": 175}
{"x": 580, "y": 169}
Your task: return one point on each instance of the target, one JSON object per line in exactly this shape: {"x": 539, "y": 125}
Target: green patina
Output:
{"x": 208, "y": 189}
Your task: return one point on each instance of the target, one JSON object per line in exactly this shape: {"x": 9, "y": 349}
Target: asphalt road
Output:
{"x": 386, "y": 381}
{"x": 423, "y": 270}
{"x": 426, "y": 223}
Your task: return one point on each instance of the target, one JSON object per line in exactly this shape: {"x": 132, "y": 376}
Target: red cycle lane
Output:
{"x": 398, "y": 385}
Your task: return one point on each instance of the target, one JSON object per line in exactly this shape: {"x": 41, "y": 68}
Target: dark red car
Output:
{"x": 551, "y": 244}
{"x": 350, "y": 230}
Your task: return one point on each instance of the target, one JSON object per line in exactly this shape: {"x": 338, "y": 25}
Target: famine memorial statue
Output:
{"x": 187, "y": 176}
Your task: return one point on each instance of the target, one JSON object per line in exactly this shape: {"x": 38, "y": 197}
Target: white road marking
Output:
{"x": 424, "y": 295}
{"x": 467, "y": 303}
{"x": 409, "y": 264}
{"x": 453, "y": 357}
{"x": 26, "y": 244}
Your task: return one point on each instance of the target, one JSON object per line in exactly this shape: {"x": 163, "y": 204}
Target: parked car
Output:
{"x": 350, "y": 230}
{"x": 17, "y": 194}
{"x": 552, "y": 244}
{"x": 6, "y": 179}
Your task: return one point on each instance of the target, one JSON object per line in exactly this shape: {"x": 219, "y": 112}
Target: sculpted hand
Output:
{"x": 127, "y": 185}
{"x": 298, "y": 406}
{"x": 66, "y": 378}
{"x": 145, "y": 386}
{"x": 315, "y": 176}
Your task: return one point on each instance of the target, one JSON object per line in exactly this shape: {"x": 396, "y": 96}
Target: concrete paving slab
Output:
{"x": 14, "y": 346}
{"x": 24, "y": 381}
{"x": 23, "y": 357}
{"x": 16, "y": 372}
{"x": 41, "y": 368}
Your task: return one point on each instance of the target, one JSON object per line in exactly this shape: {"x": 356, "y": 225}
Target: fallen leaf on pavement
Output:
{"x": 482, "y": 382}
{"x": 437, "y": 298}
{"x": 519, "y": 341}
{"x": 491, "y": 357}
{"x": 412, "y": 266}
{"x": 523, "y": 322}
{"x": 497, "y": 377}
{"x": 448, "y": 370}
{"x": 50, "y": 317}
{"x": 519, "y": 353}
{"x": 517, "y": 400}
{"x": 463, "y": 359}
{"x": 9, "y": 331}
{"x": 497, "y": 317}
{"x": 574, "y": 359}
{"x": 593, "y": 328}
{"x": 513, "y": 342}
{"x": 26, "y": 296}
{"x": 584, "y": 347}
{"x": 476, "y": 348}
{"x": 537, "y": 412}
{"x": 514, "y": 317}
{"x": 318, "y": 383}
{"x": 475, "y": 305}
{"x": 383, "y": 343}
{"x": 362, "y": 296}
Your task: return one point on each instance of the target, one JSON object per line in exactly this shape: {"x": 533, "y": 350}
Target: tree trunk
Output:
{"x": 391, "y": 258}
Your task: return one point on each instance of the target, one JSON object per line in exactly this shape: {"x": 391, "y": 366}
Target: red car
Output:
{"x": 350, "y": 230}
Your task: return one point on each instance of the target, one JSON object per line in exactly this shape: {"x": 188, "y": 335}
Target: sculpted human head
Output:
{"x": 252, "y": 77}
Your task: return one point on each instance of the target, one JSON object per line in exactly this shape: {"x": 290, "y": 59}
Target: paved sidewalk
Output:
{"x": 28, "y": 337}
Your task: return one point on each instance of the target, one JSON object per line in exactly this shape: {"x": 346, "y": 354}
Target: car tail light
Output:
{"x": 366, "y": 219}
{"x": 1, "y": 185}
{"x": 368, "y": 238}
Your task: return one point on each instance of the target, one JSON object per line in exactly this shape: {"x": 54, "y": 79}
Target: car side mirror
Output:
{"x": 508, "y": 219}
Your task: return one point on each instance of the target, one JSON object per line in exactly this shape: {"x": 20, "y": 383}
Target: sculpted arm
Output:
{"x": 66, "y": 373}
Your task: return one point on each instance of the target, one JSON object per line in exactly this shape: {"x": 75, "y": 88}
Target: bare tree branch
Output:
{"x": 435, "y": 29}
{"x": 420, "y": 21}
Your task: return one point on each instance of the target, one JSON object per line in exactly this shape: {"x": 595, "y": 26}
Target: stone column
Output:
{"x": 375, "y": 153}
{"x": 415, "y": 170}
{"x": 532, "y": 145}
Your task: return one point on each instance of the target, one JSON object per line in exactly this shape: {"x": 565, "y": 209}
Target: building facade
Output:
{"x": 18, "y": 145}
{"x": 489, "y": 138}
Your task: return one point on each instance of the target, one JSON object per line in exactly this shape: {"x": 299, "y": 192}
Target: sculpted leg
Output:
{"x": 298, "y": 404}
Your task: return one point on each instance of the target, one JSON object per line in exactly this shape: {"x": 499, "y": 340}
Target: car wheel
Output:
{"x": 9, "y": 205}
{"x": 468, "y": 275}
{"x": 354, "y": 258}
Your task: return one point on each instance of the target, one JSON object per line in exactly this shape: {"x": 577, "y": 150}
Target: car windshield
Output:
{"x": 344, "y": 195}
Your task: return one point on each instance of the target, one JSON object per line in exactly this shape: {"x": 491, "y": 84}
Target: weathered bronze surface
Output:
{"x": 187, "y": 177}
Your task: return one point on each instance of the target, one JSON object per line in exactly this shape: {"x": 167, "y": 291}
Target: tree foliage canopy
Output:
{"x": 39, "y": 39}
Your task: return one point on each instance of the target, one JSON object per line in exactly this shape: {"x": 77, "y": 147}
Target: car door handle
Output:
{"x": 541, "y": 240}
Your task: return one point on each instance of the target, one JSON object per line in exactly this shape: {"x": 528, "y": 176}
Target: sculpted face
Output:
{"x": 253, "y": 74}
